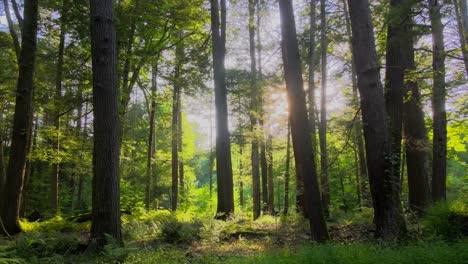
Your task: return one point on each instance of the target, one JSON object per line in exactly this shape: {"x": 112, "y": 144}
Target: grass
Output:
{"x": 164, "y": 237}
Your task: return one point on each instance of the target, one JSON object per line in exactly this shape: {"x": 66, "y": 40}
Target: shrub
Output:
{"x": 446, "y": 221}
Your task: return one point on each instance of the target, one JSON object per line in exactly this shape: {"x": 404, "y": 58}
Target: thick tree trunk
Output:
{"x": 22, "y": 122}
{"x": 325, "y": 187}
{"x": 56, "y": 112}
{"x": 151, "y": 146}
{"x": 106, "y": 150}
{"x": 417, "y": 150}
{"x": 462, "y": 23}
{"x": 387, "y": 211}
{"x": 299, "y": 122}
{"x": 223, "y": 144}
{"x": 287, "y": 170}
{"x": 361, "y": 166}
{"x": 439, "y": 164}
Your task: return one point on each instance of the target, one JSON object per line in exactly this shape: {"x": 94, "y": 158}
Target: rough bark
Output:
{"x": 300, "y": 131}
{"x": 361, "y": 166}
{"x": 325, "y": 187}
{"x": 106, "y": 150}
{"x": 22, "y": 122}
{"x": 439, "y": 164}
{"x": 223, "y": 144}
{"x": 387, "y": 211}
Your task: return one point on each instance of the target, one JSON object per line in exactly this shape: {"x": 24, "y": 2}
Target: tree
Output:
{"x": 323, "y": 112}
{"x": 286, "y": 173}
{"x": 254, "y": 114}
{"x": 106, "y": 150}
{"x": 385, "y": 195}
{"x": 439, "y": 164}
{"x": 461, "y": 13}
{"x": 223, "y": 145}
{"x": 22, "y": 121}
{"x": 300, "y": 131}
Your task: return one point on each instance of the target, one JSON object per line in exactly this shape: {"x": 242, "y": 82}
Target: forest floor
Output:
{"x": 162, "y": 237}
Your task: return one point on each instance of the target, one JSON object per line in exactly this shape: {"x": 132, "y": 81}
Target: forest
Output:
{"x": 233, "y": 131}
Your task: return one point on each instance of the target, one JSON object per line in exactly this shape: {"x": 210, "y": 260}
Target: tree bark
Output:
{"x": 462, "y": 23}
{"x": 181, "y": 159}
{"x": 299, "y": 122}
{"x": 439, "y": 164}
{"x": 387, "y": 211}
{"x": 175, "y": 145}
{"x": 223, "y": 144}
{"x": 287, "y": 170}
{"x": 325, "y": 187}
{"x": 14, "y": 35}
{"x": 106, "y": 150}
{"x": 56, "y": 112}
{"x": 271, "y": 193}
{"x": 22, "y": 122}
{"x": 254, "y": 114}
{"x": 151, "y": 138}
{"x": 361, "y": 166}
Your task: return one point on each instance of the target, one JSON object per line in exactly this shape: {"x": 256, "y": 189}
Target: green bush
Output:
{"x": 447, "y": 221}
{"x": 177, "y": 232}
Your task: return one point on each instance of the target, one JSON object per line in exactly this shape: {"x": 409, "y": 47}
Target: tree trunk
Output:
{"x": 11, "y": 27}
{"x": 106, "y": 150}
{"x": 56, "y": 112}
{"x": 299, "y": 122}
{"x": 22, "y": 122}
{"x": 439, "y": 164}
{"x": 181, "y": 159}
{"x": 323, "y": 113}
{"x": 387, "y": 211}
{"x": 2, "y": 157}
{"x": 361, "y": 165}
{"x": 223, "y": 144}
{"x": 287, "y": 170}
{"x": 263, "y": 165}
{"x": 151, "y": 138}
{"x": 271, "y": 193}
{"x": 80, "y": 200}
{"x": 254, "y": 114}
{"x": 462, "y": 23}
{"x": 175, "y": 145}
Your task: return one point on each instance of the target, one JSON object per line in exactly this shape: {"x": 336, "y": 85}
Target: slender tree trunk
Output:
{"x": 362, "y": 166}
{"x": 439, "y": 164}
{"x": 358, "y": 180}
{"x": 181, "y": 159}
{"x": 106, "y": 150}
{"x": 271, "y": 193}
{"x": 300, "y": 131}
{"x": 56, "y": 112}
{"x": 29, "y": 167}
{"x": 387, "y": 211}
{"x": 2, "y": 157}
{"x": 175, "y": 145}
{"x": 287, "y": 170}
{"x": 80, "y": 200}
{"x": 323, "y": 113}
{"x": 22, "y": 122}
{"x": 263, "y": 166}
{"x": 223, "y": 144}
{"x": 151, "y": 138}
{"x": 254, "y": 97}
{"x": 11, "y": 27}
{"x": 462, "y": 23}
